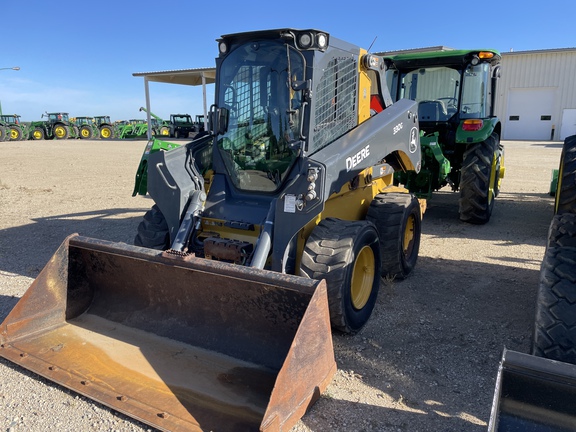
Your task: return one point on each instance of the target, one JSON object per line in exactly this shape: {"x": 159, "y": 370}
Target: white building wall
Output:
{"x": 533, "y": 83}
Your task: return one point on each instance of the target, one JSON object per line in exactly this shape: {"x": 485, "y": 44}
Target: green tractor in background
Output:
{"x": 58, "y": 126}
{"x": 106, "y": 129}
{"x": 87, "y": 128}
{"x": 459, "y": 132}
{"x": 11, "y": 128}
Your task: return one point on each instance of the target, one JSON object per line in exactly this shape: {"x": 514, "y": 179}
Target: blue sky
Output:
{"x": 79, "y": 57}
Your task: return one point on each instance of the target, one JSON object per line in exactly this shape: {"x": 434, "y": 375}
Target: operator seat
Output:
{"x": 432, "y": 110}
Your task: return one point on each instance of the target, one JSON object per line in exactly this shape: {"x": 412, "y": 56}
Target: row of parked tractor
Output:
{"x": 60, "y": 126}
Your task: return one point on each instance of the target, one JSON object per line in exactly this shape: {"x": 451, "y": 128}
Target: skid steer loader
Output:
{"x": 265, "y": 233}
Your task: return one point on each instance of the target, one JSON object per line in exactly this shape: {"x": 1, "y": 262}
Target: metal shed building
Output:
{"x": 537, "y": 94}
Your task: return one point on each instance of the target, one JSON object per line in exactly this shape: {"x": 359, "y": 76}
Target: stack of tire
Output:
{"x": 555, "y": 323}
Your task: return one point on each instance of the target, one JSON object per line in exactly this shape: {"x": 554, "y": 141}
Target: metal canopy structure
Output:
{"x": 190, "y": 77}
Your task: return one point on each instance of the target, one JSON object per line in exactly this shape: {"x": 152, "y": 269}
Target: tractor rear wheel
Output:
{"x": 480, "y": 180}
{"x": 347, "y": 255}
{"x": 555, "y": 323}
{"x": 86, "y": 132}
{"x": 61, "y": 132}
{"x": 15, "y": 133}
{"x": 38, "y": 134}
{"x": 398, "y": 218}
{"x": 153, "y": 231}
{"x": 565, "y": 201}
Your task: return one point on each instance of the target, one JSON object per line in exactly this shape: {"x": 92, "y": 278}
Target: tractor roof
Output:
{"x": 443, "y": 57}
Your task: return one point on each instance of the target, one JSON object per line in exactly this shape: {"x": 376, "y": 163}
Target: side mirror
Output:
{"x": 218, "y": 120}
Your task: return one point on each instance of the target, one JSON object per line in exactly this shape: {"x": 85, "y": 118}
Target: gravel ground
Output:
{"x": 426, "y": 361}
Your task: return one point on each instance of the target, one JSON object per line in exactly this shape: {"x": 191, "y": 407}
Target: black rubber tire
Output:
{"x": 331, "y": 253}
{"x": 106, "y": 132}
{"x": 153, "y": 231}
{"x": 15, "y": 133}
{"x": 562, "y": 231}
{"x": 479, "y": 182}
{"x": 86, "y": 132}
{"x": 64, "y": 135}
{"x": 565, "y": 201}
{"x": 38, "y": 134}
{"x": 3, "y": 135}
{"x": 395, "y": 216}
{"x": 555, "y": 323}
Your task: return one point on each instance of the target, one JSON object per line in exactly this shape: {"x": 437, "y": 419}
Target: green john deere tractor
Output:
{"x": 58, "y": 126}
{"x": 87, "y": 127}
{"x": 12, "y": 129}
{"x": 106, "y": 128}
{"x": 460, "y": 134}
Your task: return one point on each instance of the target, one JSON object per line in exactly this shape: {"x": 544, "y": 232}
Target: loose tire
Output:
{"x": 398, "y": 219}
{"x": 555, "y": 323}
{"x": 61, "y": 132}
{"x": 153, "y": 230}
{"x": 86, "y": 132}
{"x": 565, "y": 201}
{"x": 347, "y": 255}
{"x": 479, "y": 180}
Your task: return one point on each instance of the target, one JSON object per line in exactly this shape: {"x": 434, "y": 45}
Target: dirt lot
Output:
{"x": 426, "y": 361}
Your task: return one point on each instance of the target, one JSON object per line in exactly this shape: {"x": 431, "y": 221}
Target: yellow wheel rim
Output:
{"x": 408, "y": 240}
{"x": 37, "y": 135}
{"x": 85, "y": 133}
{"x": 105, "y": 133}
{"x": 14, "y": 135}
{"x": 493, "y": 173}
{"x": 59, "y": 131}
{"x": 559, "y": 184}
{"x": 363, "y": 277}
{"x": 165, "y": 132}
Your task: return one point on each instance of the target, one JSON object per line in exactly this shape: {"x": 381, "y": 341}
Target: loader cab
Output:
{"x": 259, "y": 111}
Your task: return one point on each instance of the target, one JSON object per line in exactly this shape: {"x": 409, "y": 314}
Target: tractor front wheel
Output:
{"x": 480, "y": 180}
{"x": 85, "y": 132}
{"x": 398, "y": 218}
{"x": 38, "y": 134}
{"x": 153, "y": 231}
{"x": 347, "y": 255}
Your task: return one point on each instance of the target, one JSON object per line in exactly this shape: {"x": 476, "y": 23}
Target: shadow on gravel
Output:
{"x": 432, "y": 347}
{"x": 24, "y": 250}
{"x": 6, "y": 305}
{"x": 516, "y": 219}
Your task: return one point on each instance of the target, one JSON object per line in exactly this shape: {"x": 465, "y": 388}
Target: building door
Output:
{"x": 568, "y": 123}
{"x": 529, "y": 114}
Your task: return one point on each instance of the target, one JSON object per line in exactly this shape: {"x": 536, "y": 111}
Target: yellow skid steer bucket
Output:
{"x": 195, "y": 345}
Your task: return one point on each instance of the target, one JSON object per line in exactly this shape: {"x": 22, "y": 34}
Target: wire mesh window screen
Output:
{"x": 248, "y": 104}
{"x": 336, "y": 101}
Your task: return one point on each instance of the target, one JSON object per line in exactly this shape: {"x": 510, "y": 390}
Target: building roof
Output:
{"x": 191, "y": 77}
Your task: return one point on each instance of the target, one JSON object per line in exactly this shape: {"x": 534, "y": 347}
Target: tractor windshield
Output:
{"x": 442, "y": 92}
{"x": 255, "y": 86}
